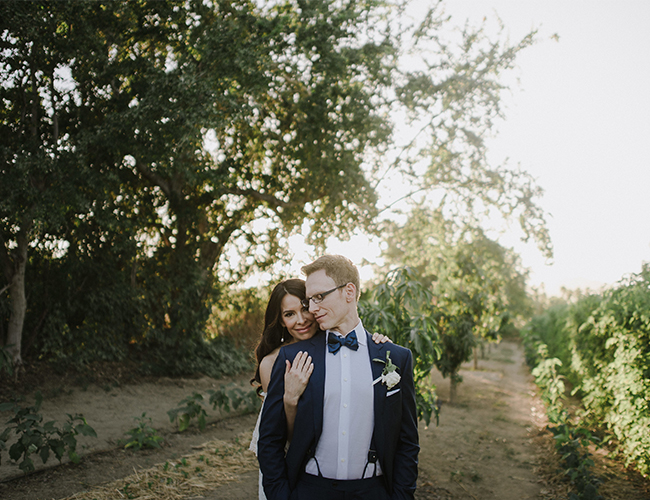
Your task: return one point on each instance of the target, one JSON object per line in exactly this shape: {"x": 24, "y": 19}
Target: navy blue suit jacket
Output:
{"x": 395, "y": 434}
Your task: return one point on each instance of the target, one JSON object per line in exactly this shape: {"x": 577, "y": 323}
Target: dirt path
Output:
{"x": 482, "y": 448}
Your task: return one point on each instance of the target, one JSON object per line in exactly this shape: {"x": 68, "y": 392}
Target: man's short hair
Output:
{"x": 339, "y": 268}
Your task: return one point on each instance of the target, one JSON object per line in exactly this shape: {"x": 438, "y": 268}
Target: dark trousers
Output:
{"x": 319, "y": 488}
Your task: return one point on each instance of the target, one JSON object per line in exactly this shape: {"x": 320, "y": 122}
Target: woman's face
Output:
{"x": 298, "y": 320}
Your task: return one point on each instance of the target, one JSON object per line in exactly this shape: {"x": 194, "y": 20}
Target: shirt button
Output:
{"x": 344, "y": 433}
{"x": 345, "y": 355}
{"x": 345, "y": 380}
{"x": 345, "y": 405}
{"x": 343, "y": 460}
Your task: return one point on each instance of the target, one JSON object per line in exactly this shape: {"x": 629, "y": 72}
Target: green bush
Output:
{"x": 232, "y": 397}
{"x": 402, "y": 308}
{"x": 227, "y": 398}
{"x": 189, "y": 408}
{"x": 142, "y": 435}
{"x": 216, "y": 358}
{"x": 571, "y": 441}
{"x": 604, "y": 345}
{"x": 35, "y": 437}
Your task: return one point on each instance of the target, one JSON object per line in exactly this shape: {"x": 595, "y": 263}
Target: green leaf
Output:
{"x": 44, "y": 454}
{"x": 183, "y": 422}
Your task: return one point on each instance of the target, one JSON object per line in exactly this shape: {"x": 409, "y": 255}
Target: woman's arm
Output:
{"x": 296, "y": 377}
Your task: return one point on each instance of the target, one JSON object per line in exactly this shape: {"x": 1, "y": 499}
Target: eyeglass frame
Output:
{"x": 305, "y": 302}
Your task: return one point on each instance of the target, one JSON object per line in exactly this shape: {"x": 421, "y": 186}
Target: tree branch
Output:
{"x": 154, "y": 178}
{"x": 268, "y": 198}
{"x": 5, "y": 260}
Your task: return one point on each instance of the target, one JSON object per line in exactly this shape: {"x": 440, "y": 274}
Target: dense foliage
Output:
{"x": 31, "y": 436}
{"x": 153, "y": 153}
{"x": 603, "y": 345}
{"x": 478, "y": 286}
{"x": 402, "y": 308}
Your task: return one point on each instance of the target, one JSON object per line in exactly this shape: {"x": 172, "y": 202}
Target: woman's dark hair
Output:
{"x": 274, "y": 331}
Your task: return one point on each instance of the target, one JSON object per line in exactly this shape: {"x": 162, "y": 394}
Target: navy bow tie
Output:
{"x": 334, "y": 342}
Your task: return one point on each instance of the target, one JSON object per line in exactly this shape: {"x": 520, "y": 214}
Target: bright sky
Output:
{"x": 579, "y": 122}
{"x": 581, "y": 126}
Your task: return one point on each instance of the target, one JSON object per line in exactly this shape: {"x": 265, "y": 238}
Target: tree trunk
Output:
{"x": 453, "y": 384}
{"x": 475, "y": 349}
{"x": 15, "y": 274}
{"x": 17, "y": 318}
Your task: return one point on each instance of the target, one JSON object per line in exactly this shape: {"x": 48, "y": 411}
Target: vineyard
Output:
{"x": 598, "y": 350}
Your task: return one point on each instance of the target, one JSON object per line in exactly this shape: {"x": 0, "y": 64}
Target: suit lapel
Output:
{"x": 317, "y": 381}
{"x": 377, "y": 351}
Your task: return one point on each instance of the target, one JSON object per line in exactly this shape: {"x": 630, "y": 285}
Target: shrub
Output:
{"x": 190, "y": 407}
{"x": 143, "y": 435}
{"x": 604, "y": 345}
{"x": 35, "y": 437}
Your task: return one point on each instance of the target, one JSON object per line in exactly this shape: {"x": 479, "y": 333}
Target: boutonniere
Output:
{"x": 389, "y": 375}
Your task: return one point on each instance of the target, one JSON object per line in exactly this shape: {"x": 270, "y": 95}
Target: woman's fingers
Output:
{"x": 301, "y": 362}
{"x": 378, "y": 338}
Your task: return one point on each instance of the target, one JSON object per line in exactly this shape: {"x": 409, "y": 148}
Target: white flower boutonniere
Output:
{"x": 389, "y": 375}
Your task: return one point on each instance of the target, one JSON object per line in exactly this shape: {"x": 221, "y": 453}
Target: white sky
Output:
{"x": 579, "y": 122}
{"x": 581, "y": 126}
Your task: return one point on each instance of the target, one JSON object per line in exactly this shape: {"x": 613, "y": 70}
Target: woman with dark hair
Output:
{"x": 286, "y": 321}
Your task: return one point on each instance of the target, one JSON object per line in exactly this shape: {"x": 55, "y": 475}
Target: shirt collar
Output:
{"x": 361, "y": 333}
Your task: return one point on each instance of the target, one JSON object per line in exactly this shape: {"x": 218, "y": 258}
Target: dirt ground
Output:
{"x": 489, "y": 444}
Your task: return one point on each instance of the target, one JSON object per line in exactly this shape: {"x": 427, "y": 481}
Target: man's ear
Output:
{"x": 350, "y": 292}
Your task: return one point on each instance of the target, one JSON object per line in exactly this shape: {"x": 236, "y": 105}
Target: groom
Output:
{"x": 355, "y": 434}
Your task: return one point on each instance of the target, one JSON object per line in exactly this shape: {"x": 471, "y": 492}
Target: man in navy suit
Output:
{"x": 355, "y": 434}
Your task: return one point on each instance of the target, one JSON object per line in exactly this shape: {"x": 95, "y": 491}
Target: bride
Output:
{"x": 286, "y": 321}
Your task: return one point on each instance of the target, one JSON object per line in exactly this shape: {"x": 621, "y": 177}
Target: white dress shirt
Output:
{"x": 348, "y": 414}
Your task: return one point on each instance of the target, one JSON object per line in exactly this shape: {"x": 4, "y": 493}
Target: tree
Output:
{"x": 37, "y": 165}
{"x": 184, "y": 141}
{"x": 402, "y": 307}
{"x": 452, "y": 105}
{"x": 478, "y": 285}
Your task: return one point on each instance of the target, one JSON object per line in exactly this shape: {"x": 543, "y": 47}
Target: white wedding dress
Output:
{"x": 253, "y": 445}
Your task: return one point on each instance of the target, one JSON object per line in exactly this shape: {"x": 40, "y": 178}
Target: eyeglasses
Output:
{"x": 318, "y": 298}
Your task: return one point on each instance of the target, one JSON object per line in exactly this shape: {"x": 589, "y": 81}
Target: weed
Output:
{"x": 232, "y": 397}
{"x": 143, "y": 435}
{"x": 456, "y": 475}
{"x": 36, "y": 437}
{"x": 189, "y": 408}
{"x": 5, "y": 360}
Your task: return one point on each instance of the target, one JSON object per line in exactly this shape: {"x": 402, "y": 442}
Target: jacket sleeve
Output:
{"x": 405, "y": 465}
{"x": 273, "y": 436}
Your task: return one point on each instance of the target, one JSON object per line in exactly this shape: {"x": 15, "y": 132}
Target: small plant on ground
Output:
{"x": 5, "y": 361}
{"x": 232, "y": 397}
{"x": 189, "y": 408}
{"x": 571, "y": 442}
{"x": 35, "y": 437}
{"x": 143, "y": 435}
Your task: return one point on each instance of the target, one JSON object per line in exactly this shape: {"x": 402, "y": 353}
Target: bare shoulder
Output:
{"x": 266, "y": 367}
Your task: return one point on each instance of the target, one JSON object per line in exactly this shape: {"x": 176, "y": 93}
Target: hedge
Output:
{"x": 603, "y": 342}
